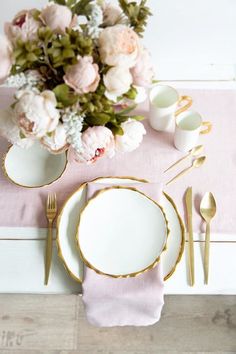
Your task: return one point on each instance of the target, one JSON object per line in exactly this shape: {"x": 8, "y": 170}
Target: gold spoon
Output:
{"x": 196, "y": 163}
{"x": 194, "y": 152}
{"x": 208, "y": 211}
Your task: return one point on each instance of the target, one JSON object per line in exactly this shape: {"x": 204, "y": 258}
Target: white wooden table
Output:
{"x": 22, "y": 255}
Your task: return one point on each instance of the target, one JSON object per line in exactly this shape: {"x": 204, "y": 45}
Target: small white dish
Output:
{"x": 121, "y": 232}
{"x": 67, "y": 224}
{"x": 33, "y": 167}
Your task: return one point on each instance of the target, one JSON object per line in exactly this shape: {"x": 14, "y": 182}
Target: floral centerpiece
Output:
{"x": 75, "y": 65}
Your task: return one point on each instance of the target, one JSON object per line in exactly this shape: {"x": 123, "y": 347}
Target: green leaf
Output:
{"x": 137, "y": 117}
{"x": 64, "y": 95}
{"x": 59, "y": 2}
{"x": 115, "y": 128}
{"x": 81, "y": 7}
{"x": 22, "y": 135}
{"x": 127, "y": 110}
{"x": 98, "y": 119}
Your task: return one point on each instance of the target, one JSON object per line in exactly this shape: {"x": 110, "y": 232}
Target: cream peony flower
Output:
{"x": 117, "y": 81}
{"x": 83, "y": 77}
{"x": 6, "y": 58}
{"x": 132, "y": 138}
{"x": 56, "y": 141}
{"x": 97, "y": 141}
{"x": 57, "y": 17}
{"x": 23, "y": 27}
{"x": 143, "y": 71}
{"x": 36, "y": 113}
{"x": 118, "y": 45}
{"x": 10, "y": 131}
{"x": 112, "y": 14}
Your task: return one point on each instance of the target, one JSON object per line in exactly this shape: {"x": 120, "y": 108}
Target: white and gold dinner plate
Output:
{"x": 67, "y": 225}
{"x": 121, "y": 232}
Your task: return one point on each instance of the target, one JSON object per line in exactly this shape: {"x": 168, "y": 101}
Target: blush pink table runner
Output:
{"x": 127, "y": 301}
{"x": 22, "y": 207}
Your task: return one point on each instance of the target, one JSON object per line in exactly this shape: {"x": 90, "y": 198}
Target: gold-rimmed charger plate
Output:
{"x": 68, "y": 219}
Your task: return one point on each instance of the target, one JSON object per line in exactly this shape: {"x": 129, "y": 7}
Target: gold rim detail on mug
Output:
{"x": 30, "y": 187}
{"x": 129, "y": 275}
{"x": 83, "y": 185}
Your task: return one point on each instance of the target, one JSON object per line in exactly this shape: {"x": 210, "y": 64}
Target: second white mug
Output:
{"x": 187, "y": 129}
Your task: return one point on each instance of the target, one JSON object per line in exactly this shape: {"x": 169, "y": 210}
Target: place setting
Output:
{"x": 75, "y": 110}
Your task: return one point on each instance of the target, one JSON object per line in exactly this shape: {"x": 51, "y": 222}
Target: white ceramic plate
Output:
{"x": 33, "y": 167}
{"x": 67, "y": 224}
{"x": 121, "y": 232}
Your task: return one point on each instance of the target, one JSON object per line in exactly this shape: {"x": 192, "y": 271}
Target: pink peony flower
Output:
{"x": 56, "y": 142}
{"x": 57, "y": 17}
{"x": 97, "y": 141}
{"x": 112, "y": 14}
{"x": 83, "y": 77}
{"x": 132, "y": 138}
{"x": 23, "y": 27}
{"x": 36, "y": 113}
{"x": 118, "y": 45}
{"x": 6, "y": 58}
{"x": 117, "y": 81}
{"x": 143, "y": 71}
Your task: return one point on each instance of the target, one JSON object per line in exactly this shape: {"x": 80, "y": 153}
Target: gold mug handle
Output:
{"x": 208, "y": 128}
{"x": 189, "y": 101}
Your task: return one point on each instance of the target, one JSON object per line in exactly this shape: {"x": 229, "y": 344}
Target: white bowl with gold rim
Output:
{"x": 34, "y": 167}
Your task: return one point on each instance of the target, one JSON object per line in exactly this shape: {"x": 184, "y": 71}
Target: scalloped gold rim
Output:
{"x": 181, "y": 250}
{"x": 30, "y": 187}
{"x": 129, "y": 275}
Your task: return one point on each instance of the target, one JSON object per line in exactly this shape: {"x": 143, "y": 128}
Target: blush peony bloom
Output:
{"x": 132, "y": 138}
{"x": 97, "y": 141}
{"x": 112, "y": 14}
{"x": 118, "y": 45}
{"x": 36, "y": 113}
{"x": 83, "y": 77}
{"x": 117, "y": 81}
{"x": 6, "y": 59}
{"x": 57, "y": 17}
{"x": 23, "y": 27}
{"x": 143, "y": 71}
{"x": 56, "y": 142}
{"x": 10, "y": 131}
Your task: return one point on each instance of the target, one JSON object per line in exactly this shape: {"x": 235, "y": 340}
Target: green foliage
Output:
{"x": 77, "y": 7}
{"x": 63, "y": 50}
{"x": 137, "y": 14}
{"x": 65, "y": 96}
{"x": 26, "y": 56}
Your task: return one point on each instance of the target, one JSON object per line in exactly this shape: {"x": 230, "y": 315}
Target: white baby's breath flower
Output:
{"x": 96, "y": 20}
{"x": 73, "y": 125}
{"x": 27, "y": 81}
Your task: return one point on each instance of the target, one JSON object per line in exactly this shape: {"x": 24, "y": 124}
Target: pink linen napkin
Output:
{"x": 126, "y": 301}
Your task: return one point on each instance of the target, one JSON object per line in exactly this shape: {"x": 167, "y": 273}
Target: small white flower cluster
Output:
{"x": 28, "y": 80}
{"x": 96, "y": 19}
{"x": 73, "y": 124}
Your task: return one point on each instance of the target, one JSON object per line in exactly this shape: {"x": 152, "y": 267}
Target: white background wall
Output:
{"x": 189, "y": 39}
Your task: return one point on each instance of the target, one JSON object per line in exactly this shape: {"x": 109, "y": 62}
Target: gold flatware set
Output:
{"x": 51, "y": 212}
{"x": 196, "y": 163}
{"x": 207, "y": 211}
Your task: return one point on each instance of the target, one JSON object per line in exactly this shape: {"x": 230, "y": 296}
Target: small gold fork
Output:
{"x": 51, "y": 212}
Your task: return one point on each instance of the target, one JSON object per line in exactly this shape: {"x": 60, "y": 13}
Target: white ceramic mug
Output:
{"x": 164, "y": 101}
{"x": 188, "y": 126}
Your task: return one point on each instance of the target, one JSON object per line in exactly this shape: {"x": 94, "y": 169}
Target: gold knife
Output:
{"x": 189, "y": 207}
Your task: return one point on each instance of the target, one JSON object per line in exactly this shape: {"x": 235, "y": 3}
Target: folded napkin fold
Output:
{"x": 134, "y": 301}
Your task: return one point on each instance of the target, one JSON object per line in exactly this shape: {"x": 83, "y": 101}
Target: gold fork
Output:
{"x": 51, "y": 212}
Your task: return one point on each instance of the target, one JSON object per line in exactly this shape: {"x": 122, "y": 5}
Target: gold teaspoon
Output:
{"x": 196, "y": 163}
{"x": 194, "y": 152}
{"x": 208, "y": 211}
